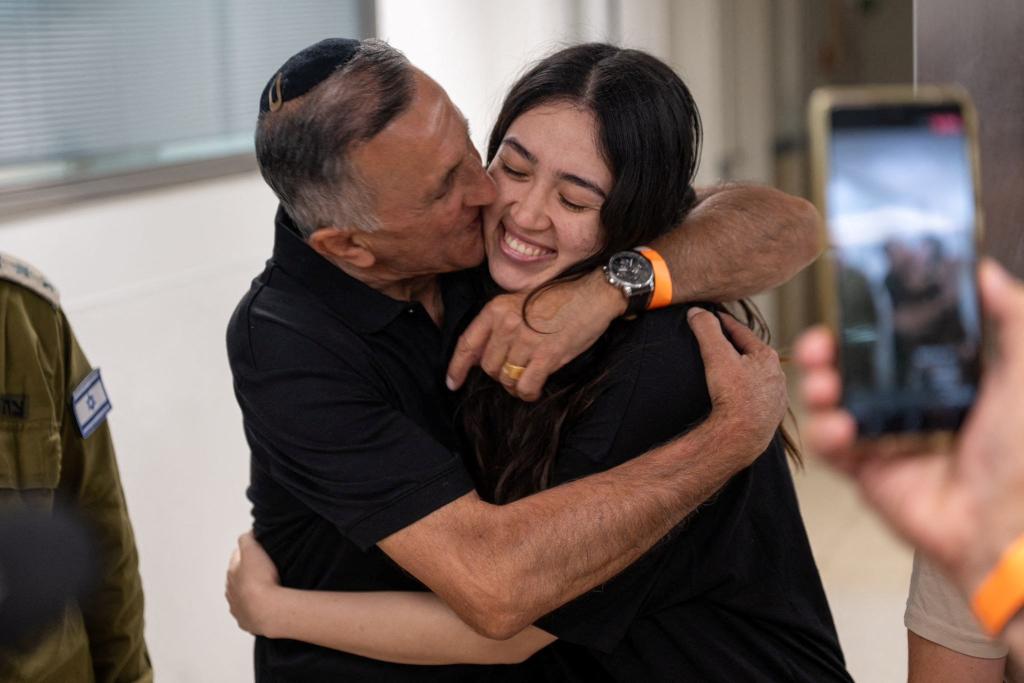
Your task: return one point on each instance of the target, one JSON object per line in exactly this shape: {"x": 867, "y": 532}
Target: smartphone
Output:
{"x": 895, "y": 174}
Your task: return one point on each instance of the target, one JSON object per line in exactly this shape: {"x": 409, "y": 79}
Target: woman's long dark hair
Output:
{"x": 650, "y": 136}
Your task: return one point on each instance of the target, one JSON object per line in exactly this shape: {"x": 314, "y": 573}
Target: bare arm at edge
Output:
{"x": 929, "y": 662}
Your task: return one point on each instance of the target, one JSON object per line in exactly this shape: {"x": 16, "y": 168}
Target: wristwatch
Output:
{"x": 632, "y": 274}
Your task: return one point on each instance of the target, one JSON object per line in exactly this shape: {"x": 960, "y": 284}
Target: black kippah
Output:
{"x": 305, "y": 70}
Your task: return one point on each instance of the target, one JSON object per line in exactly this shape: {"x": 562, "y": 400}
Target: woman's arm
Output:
{"x": 401, "y": 627}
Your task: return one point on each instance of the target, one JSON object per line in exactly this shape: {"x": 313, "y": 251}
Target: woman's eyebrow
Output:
{"x": 584, "y": 183}
{"x": 518, "y": 146}
{"x": 568, "y": 177}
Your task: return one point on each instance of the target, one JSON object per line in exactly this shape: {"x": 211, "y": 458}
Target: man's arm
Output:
{"x": 739, "y": 240}
{"x": 502, "y": 567}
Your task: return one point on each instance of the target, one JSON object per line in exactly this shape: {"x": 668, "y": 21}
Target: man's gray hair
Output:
{"x": 304, "y": 148}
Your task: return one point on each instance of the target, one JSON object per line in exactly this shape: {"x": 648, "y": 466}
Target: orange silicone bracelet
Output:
{"x": 662, "y": 295}
{"x": 1001, "y": 594}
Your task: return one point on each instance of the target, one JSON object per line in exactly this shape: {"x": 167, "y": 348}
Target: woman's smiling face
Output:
{"x": 552, "y": 182}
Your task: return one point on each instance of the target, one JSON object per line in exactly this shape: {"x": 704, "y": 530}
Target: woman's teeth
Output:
{"x": 524, "y": 249}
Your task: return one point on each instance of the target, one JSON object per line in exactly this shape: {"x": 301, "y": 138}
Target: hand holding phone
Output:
{"x": 896, "y": 178}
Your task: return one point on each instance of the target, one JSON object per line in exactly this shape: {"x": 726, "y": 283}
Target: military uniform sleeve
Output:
{"x": 114, "y": 613}
{"x": 31, "y": 391}
{"x": 656, "y": 391}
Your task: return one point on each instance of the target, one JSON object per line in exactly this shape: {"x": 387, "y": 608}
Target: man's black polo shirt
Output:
{"x": 348, "y": 422}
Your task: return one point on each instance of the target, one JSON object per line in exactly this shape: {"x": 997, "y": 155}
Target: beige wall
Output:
{"x": 978, "y": 46}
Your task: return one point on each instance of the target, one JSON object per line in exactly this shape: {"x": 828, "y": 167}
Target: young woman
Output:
{"x": 594, "y": 152}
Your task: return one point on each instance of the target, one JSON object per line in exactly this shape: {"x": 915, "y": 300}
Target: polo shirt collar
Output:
{"x": 361, "y": 306}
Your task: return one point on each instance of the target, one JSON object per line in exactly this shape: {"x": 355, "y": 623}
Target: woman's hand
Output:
{"x": 251, "y": 583}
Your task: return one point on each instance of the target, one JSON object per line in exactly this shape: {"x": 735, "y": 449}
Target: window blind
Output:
{"x": 100, "y": 87}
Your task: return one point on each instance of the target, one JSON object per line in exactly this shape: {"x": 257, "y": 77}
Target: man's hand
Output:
{"x": 565, "y": 320}
{"x": 251, "y": 577}
{"x": 964, "y": 508}
{"x": 745, "y": 380}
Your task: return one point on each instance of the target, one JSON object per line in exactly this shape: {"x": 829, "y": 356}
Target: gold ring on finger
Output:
{"x": 513, "y": 371}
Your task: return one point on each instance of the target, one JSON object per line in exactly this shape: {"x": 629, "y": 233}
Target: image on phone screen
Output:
{"x": 901, "y": 216}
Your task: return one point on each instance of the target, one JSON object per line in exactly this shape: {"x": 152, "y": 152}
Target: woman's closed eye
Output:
{"x": 519, "y": 176}
{"x": 512, "y": 172}
{"x": 572, "y": 206}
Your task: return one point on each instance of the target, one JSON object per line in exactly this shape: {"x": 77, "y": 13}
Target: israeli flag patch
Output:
{"x": 90, "y": 403}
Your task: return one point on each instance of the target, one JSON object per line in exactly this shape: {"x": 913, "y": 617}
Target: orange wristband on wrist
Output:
{"x": 662, "y": 295}
{"x": 1001, "y": 595}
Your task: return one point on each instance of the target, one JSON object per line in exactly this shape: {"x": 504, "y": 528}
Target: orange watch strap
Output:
{"x": 662, "y": 295}
{"x": 1001, "y": 595}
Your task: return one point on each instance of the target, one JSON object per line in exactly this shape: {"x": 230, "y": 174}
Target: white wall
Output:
{"x": 720, "y": 47}
{"x": 476, "y": 49}
{"x": 148, "y": 282}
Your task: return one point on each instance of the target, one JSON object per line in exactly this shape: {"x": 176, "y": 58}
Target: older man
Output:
{"x": 338, "y": 353}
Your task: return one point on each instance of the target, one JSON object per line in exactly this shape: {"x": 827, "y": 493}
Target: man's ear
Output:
{"x": 343, "y": 245}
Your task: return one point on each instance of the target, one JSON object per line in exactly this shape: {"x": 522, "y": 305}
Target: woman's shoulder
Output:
{"x": 653, "y": 389}
{"x": 660, "y": 339}
{"x": 660, "y": 323}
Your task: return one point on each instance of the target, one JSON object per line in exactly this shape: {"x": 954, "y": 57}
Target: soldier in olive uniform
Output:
{"x": 55, "y": 444}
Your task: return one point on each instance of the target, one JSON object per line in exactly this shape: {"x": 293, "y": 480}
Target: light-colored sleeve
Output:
{"x": 938, "y": 611}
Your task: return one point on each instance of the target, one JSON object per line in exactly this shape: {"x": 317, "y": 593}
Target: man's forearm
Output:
{"x": 553, "y": 546}
{"x": 738, "y": 241}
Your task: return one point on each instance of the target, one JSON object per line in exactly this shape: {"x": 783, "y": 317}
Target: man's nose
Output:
{"x": 483, "y": 191}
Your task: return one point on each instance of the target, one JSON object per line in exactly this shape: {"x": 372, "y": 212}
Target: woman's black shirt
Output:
{"x": 732, "y": 594}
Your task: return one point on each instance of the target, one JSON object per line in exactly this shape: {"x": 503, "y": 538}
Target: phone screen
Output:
{"x": 901, "y": 216}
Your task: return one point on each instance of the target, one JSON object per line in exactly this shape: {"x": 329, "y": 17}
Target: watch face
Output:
{"x": 631, "y": 269}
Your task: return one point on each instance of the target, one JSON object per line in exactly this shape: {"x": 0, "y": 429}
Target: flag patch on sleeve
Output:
{"x": 90, "y": 403}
